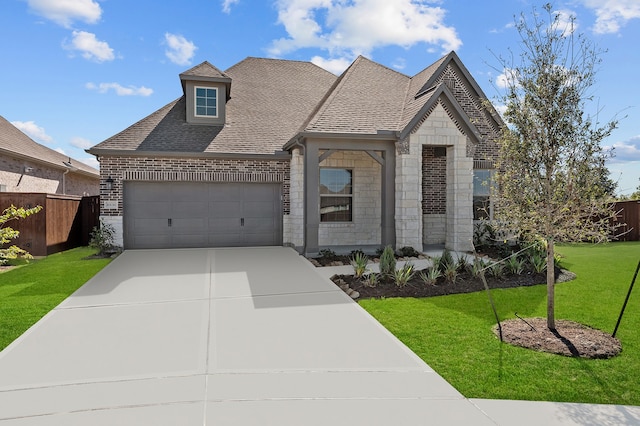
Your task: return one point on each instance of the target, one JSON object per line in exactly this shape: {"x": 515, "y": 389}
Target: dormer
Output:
{"x": 206, "y": 90}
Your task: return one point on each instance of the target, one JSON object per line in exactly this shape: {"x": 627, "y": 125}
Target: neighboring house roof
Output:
{"x": 15, "y": 143}
{"x": 276, "y": 101}
{"x": 270, "y": 98}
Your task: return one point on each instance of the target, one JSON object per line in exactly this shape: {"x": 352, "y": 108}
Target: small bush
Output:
{"x": 430, "y": 276}
{"x": 462, "y": 263}
{"x": 476, "y": 268}
{"x": 103, "y": 238}
{"x": 388, "y": 262}
{"x": 403, "y": 275}
{"x": 359, "y": 262}
{"x": 408, "y": 252}
{"x": 356, "y": 252}
{"x": 538, "y": 263}
{"x": 328, "y": 254}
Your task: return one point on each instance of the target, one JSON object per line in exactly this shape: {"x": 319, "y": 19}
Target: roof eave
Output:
{"x": 48, "y": 163}
{"x": 381, "y": 135}
{"x": 102, "y": 152}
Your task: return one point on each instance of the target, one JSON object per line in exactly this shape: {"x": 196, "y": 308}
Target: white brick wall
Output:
{"x": 293, "y": 224}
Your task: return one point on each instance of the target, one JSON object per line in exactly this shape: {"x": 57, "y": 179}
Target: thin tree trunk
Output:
{"x": 551, "y": 282}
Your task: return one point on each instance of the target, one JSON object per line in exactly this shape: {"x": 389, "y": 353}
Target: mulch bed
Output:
{"x": 569, "y": 338}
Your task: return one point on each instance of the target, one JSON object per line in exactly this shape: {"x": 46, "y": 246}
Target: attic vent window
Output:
{"x": 206, "y": 102}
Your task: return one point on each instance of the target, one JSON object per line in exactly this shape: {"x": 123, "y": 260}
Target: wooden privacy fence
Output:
{"x": 64, "y": 222}
{"x": 628, "y": 214}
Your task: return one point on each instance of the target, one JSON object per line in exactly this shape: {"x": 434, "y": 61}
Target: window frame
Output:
{"x": 195, "y": 101}
{"x": 336, "y": 195}
{"x": 486, "y": 195}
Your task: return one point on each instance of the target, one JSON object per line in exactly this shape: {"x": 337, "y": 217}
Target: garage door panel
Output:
{"x": 202, "y": 214}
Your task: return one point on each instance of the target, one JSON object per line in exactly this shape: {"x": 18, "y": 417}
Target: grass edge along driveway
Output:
{"x": 29, "y": 292}
{"x": 453, "y": 333}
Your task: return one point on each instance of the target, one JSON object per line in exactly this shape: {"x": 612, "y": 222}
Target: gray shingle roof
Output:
{"x": 13, "y": 141}
{"x": 274, "y": 100}
{"x": 270, "y": 98}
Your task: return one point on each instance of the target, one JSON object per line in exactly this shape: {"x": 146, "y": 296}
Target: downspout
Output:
{"x": 64, "y": 182}
{"x": 304, "y": 202}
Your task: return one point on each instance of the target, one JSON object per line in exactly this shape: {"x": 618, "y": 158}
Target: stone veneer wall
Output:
{"x": 186, "y": 170}
{"x": 437, "y": 130}
{"x": 365, "y": 229}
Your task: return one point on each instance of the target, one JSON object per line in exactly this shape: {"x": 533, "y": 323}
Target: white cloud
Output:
{"x": 336, "y": 66}
{"x": 90, "y": 161}
{"x": 60, "y": 150}
{"x": 180, "y": 50}
{"x": 611, "y": 15}
{"x": 399, "y": 63}
{"x": 626, "y": 151}
{"x": 91, "y": 48}
{"x": 567, "y": 21}
{"x": 359, "y": 26}
{"x": 507, "y": 79}
{"x": 64, "y": 12}
{"x": 81, "y": 143}
{"x": 119, "y": 89}
{"x": 226, "y": 5}
{"x": 32, "y": 130}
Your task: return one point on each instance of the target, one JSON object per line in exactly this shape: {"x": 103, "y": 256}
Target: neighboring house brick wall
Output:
{"x": 43, "y": 179}
{"x": 367, "y": 206}
{"x": 184, "y": 169}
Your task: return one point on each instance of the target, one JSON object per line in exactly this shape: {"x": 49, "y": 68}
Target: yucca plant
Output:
{"x": 450, "y": 272}
{"x": 515, "y": 265}
{"x": 404, "y": 274}
{"x": 496, "y": 270}
{"x": 387, "y": 262}
{"x": 538, "y": 263}
{"x": 462, "y": 263}
{"x": 476, "y": 268}
{"x": 430, "y": 276}
{"x": 371, "y": 279}
{"x": 359, "y": 262}
{"x": 445, "y": 260}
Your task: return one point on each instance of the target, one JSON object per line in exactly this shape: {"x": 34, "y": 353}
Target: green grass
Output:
{"x": 28, "y": 292}
{"x": 453, "y": 333}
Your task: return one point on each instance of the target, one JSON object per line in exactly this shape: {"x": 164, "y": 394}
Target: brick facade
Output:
{"x": 187, "y": 169}
{"x": 41, "y": 178}
{"x": 434, "y": 181}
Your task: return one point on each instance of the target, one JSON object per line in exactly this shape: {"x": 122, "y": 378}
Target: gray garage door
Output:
{"x": 188, "y": 214}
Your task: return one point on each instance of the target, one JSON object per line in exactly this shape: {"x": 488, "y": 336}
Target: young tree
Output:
{"x": 550, "y": 167}
{"x": 7, "y": 234}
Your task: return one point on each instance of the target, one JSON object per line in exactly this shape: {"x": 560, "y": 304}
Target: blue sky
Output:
{"x": 75, "y": 72}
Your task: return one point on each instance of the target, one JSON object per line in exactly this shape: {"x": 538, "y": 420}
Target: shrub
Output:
{"x": 462, "y": 263}
{"x": 359, "y": 262}
{"x": 356, "y": 252}
{"x": 430, "y": 276}
{"x": 7, "y": 234}
{"x": 103, "y": 238}
{"x": 408, "y": 252}
{"x": 328, "y": 254}
{"x": 476, "y": 268}
{"x": 404, "y": 274}
{"x": 388, "y": 262}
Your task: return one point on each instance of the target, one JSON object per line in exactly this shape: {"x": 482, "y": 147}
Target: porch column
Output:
{"x": 388, "y": 197}
{"x": 312, "y": 198}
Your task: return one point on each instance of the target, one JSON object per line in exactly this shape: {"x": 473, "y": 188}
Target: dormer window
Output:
{"x": 206, "y": 102}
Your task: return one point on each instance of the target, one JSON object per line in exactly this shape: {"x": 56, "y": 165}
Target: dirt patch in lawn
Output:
{"x": 569, "y": 338}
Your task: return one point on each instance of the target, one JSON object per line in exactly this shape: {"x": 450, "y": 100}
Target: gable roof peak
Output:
{"x": 204, "y": 69}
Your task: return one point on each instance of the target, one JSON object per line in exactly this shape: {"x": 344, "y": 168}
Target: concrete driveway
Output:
{"x": 251, "y": 336}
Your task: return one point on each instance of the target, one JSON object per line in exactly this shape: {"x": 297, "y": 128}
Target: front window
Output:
{"x": 481, "y": 193}
{"x": 336, "y": 195}
{"x": 206, "y": 102}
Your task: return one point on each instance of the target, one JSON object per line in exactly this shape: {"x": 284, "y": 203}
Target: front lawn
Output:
{"x": 27, "y": 293}
{"x": 453, "y": 333}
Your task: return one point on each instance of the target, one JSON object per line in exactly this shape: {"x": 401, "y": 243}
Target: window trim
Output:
{"x": 195, "y": 101}
{"x": 350, "y": 195}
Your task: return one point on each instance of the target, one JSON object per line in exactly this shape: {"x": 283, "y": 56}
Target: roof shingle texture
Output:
{"x": 270, "y": 98}
{"x": 12, "y": 140}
